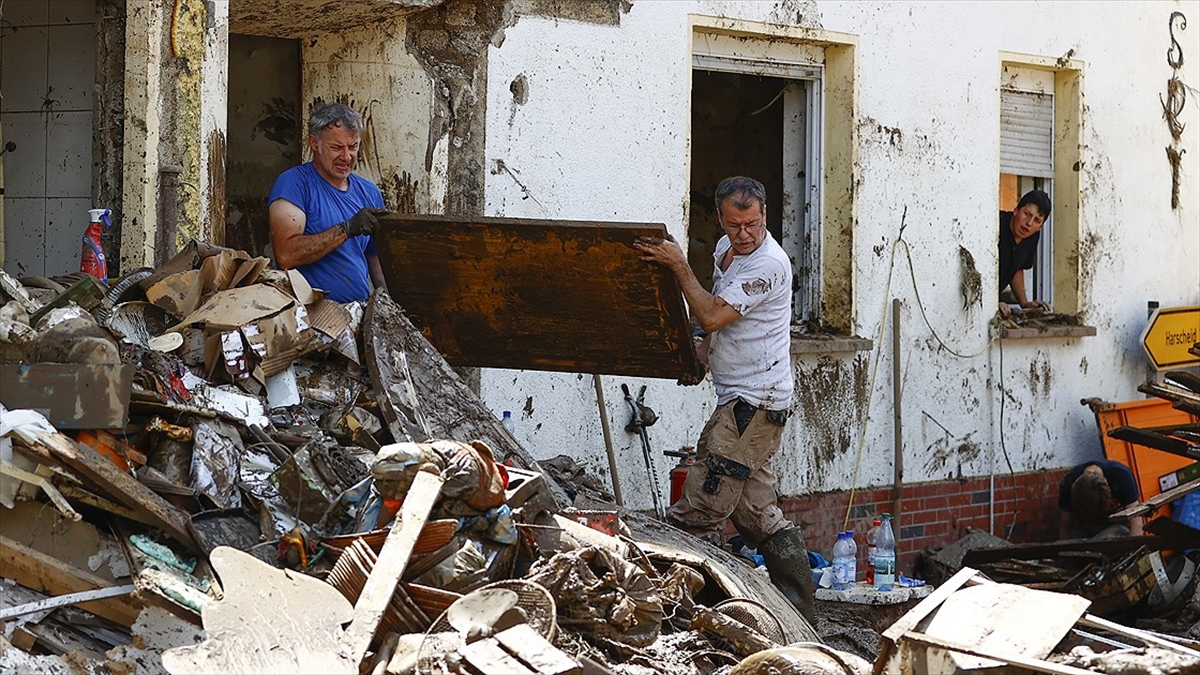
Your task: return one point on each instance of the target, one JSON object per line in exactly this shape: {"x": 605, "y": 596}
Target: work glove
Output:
{"x": 364, "y": 222}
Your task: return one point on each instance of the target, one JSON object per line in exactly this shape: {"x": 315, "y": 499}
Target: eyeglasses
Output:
{"x": 752, "y": 227}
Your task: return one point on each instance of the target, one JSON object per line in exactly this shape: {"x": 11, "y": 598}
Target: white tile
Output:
{"x": 69, "y": 155}
{"x": 72, "y": 68}
{"x": 25, "y": 167}
{"x": 24, "y": 237}
{"x": 23, "y": 79}
{"x": 71, "y": 11}
{"x": 66, "y": 221}
{"x": 26, "y": 12}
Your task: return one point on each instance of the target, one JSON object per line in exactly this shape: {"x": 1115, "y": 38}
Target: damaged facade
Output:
{"x": 879, "y": 122}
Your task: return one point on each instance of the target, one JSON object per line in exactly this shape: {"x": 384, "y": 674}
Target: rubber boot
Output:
{"x": 787, "y": 562}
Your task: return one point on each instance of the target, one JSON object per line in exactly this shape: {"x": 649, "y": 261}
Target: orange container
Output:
{"x": 1147, "y": 464}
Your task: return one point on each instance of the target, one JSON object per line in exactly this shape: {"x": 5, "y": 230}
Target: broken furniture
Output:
{"x": 972, "y": 623}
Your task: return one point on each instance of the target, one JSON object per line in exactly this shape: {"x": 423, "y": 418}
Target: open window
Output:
{"x": 1039, "y": 115}
{"x": 776, "y": 104}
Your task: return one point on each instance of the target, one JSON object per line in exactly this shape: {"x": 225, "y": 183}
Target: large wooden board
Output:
{"x": 539, "y": 295}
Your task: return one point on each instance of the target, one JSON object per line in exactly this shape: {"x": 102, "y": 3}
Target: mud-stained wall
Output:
{"x": 370, "y": 69}
{"x": 264, "y": 132}
{"x": 590, "y": 119}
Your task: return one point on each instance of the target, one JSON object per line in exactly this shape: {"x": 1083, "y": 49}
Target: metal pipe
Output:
{"x": 897, "y": 427}
{"x": 168, "y": 209}
{"x": 608, "y": 443}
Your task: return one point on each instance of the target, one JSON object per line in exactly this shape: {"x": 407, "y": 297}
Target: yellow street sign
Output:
{"x": 1169, "y": 333}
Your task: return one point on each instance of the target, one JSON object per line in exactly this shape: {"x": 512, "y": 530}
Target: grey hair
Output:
{"x": 744, "y": 191}
{"x": 334, "y": 114}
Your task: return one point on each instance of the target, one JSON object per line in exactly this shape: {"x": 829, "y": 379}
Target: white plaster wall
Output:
{"x": 603, "y": 135}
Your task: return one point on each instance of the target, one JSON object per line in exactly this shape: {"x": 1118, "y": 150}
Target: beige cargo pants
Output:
{"x": 732, "y": 478}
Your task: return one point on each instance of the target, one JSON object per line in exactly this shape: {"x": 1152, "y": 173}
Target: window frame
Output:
{"x": 1060, "y": 241}
{"x": 830, "y": 221}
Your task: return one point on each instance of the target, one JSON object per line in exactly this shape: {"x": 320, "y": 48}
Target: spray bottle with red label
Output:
{"x": 91, "y": 259}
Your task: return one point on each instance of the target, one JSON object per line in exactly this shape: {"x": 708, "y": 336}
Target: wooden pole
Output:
{"x": 608, "y": 443}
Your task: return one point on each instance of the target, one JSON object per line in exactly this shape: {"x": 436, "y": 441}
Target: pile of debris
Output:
{"x": 210, "y": 467}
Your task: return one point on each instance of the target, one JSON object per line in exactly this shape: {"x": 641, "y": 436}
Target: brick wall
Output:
{"x": 934, "y": 514}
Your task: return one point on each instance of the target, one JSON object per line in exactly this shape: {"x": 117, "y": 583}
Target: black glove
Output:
{"x": 363, "y": 222}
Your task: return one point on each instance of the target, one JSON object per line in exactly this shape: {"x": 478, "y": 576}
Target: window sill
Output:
{"x": 1034, "y": 332}
{"x": 808, "y": 343}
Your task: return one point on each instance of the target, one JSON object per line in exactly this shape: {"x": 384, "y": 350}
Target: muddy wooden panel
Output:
{"x": 539, "y": 295}
{"x": 70, "y": 395}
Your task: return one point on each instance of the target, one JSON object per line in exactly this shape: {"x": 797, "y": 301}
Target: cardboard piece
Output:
{"x": 70, "y": 395}
{"x": 179, "y": 293}
{"x": 236, "y": 307}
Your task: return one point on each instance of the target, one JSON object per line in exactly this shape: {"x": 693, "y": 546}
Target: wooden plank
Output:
{"x": 70, "y": 395}
{"x": 1005, "y": 619}
{"x": 381, "y": 583}
{"x": 486, "y": 656}
{"x": 1140, "y": 635}
{"x": 1124, "y": 545}
{"x": 1158, "y": 500}
{"x": 1023, "y": 662}
{"x": 43, "y": 573}
{"x": 1157, "y": 441}
{"x": 929, "y": 604}
{"x": 119, "y": 485}
{"x": 564, "y": 296}
{"x": 537, "y": 652}
{"x": 1185, "y": 379}
{"x": 64, "y": 600}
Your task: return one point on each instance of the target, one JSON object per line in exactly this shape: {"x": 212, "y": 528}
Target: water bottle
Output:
{"x": 508, "y": 423}
{"x": 872, "y": 535}
{"x": 852, "y": 566}
{"x": 843, "y": 561}
{"x": 885, "y": 555}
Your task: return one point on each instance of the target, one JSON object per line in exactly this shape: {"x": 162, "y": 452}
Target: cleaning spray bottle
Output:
{"x": 91, "y": 259}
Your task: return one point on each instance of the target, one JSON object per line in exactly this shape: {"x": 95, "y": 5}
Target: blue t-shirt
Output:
{"x": 343, "y": 272}
{"x": 1121, "y": 483}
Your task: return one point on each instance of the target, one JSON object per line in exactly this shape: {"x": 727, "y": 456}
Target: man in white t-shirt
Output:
{"x": 748, "y": 351}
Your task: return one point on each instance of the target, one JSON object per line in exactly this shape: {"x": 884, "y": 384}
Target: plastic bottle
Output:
{"x": 852, "y": 570}
{"x": 872, "y": 535}
{"x": 91, "y": 257}
{"x": 843, "y": 562}
{"x": 885, "y": 555}
{"x": 508, "y": 423}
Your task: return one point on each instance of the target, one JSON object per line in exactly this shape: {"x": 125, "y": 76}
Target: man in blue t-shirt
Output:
{"x": 322, "y": 215}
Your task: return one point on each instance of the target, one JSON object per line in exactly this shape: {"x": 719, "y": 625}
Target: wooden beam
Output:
{"x": 1150, "y": 505}
{"x": 64, "y": 600}
{"x": 45, "y": 574}
{"x": 1158, "y": 441}
{"x": 117, "y": 484}
{"x": 381, "y": 584}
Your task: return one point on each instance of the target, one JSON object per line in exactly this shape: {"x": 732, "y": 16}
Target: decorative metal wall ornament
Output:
{"x": 1173, "y": 104}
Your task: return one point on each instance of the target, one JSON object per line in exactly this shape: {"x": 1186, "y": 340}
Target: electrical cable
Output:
{"x": 862, "y": 436}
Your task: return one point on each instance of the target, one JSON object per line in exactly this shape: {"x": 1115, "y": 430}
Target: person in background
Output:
{"x": 1020, "y": 231}
{"x": 1091, "y": 492}
{"x": 322, "y": 215}
{"x": 748, "y": 320}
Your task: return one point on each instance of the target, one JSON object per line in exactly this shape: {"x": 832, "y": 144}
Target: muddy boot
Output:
{"x": 787, "y": 563}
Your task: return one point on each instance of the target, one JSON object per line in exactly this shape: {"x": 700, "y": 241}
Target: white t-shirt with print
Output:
{"x": 751, "y": 357}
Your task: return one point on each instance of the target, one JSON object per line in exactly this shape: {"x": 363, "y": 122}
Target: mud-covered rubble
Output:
{"x": 209, "y": 467}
